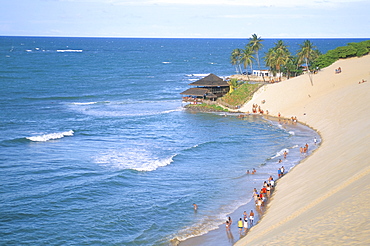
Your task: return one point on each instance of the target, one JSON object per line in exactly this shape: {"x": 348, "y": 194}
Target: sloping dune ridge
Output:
{"x": 325, "y": 200}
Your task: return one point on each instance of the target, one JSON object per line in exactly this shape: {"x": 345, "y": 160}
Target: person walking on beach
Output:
{"x": 251, "y": 217}
{"x": 279, "y": 173}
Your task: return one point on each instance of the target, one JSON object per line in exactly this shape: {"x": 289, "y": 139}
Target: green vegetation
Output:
{"x": 255, "y": 44}
{"x": 207, "y": 107}
{"x": 282, "y": 63}
{"x": 279, "y": 59}
{"x": 241, "y": 94}
{"x": 246, "y": 56}
{"x": 234, "y": 83}
{"x": 351, "y": 50}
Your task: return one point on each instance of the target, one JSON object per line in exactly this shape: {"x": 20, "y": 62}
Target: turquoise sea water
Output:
{"x": 96, "y": 149}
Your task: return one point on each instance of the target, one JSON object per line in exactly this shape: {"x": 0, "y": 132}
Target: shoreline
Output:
{"x": 331, "y": 204}
{"x": 333, "y": 207}
{"x": 218, "y": 235}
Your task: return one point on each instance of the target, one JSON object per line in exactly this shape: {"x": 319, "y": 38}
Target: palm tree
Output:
{"x": 307, "y": 54}
{"x": 270, "y": 59}
{"x": 247, "y": 58}
{"x": 290, "y": 66}
{"x": 277, "y": 57}
{"x": 256, "y": 45}
{"x": 235, "y": 59}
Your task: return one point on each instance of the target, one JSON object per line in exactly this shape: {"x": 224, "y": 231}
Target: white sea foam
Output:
{"x": 197, "y": 75}
{"x": 280, "y": 153}
{"x": 69, "y": 50}
{"x": 134, "y": 159}
{"x": 50, "y": 136}
{"x": 85, "y": 103}
{"x": 209, "y": 222}
{"x": 89, "y": 103}
{"x": 109, "y": 109}
{"x": 291, "y": 133}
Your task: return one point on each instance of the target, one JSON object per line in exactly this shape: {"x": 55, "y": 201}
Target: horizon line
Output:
{"x": 157, "y": 37}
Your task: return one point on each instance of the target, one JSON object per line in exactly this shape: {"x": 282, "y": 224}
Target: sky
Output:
{"x": 186, "y": 18}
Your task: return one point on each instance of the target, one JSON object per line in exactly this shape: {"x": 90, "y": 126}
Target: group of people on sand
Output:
{"x": 243, "y": 223}
{"x": 338, "y": 70}
{"x": 260, "y": 198}
{"x": 293, "y": 120}
{"x": 281, "y": 171}
{"x": 362, "y": 81}
{"x": 257, "y": 109}
{"x": 273, "y": 80}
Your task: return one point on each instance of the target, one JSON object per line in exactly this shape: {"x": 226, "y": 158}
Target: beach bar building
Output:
{"x": 210, "y": 87}
{"x": 265, "y": 73}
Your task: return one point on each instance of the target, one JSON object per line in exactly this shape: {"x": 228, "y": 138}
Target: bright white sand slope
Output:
{"x": 325, "y": 200}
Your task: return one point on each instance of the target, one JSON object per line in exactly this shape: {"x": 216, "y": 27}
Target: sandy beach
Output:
{"x": 325, "y": 199}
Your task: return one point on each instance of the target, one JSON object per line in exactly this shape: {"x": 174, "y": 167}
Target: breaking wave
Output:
{"x": 135, "y": 159}
{"x": 69, "y": 50}
{"x": 50, "y": 136}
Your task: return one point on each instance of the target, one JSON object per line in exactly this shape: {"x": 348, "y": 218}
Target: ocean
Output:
{"x": 97, "y": 149}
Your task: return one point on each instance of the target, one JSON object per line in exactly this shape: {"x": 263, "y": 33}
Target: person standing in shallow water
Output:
{"x": 245, "y": 225}
{"x": 245, "y": 215}
{"x": 195, "y": 206}
{"x": 251, "y": 217}
{"x": 240, "y": 224}
{"x": 230, "y": 221}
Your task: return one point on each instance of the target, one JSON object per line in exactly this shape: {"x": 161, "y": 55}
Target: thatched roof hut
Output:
{"x": 210, "y": 80}
{"x": 209, "y": 87}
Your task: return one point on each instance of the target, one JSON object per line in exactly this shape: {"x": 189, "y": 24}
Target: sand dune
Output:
{"x": 325, "y": 200}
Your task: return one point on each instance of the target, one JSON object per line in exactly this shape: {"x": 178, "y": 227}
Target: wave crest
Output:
{"x": 50, "y": 136}
{"x": 135, "y": 159}
{"x": 70, "y": 50}
{"x": 280, "y": 153}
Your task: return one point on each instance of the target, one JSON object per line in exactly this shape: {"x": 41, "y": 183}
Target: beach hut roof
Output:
{"x": 195, "y": 92}
{"x": 210, "y": 80}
